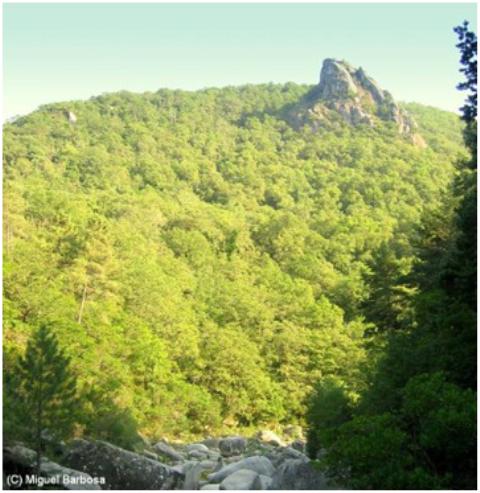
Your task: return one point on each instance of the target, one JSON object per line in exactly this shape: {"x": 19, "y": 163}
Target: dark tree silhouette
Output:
{"x": 468, "y": 49}
{"x": 47, "y": 388}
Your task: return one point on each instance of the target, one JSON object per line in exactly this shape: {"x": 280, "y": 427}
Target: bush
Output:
{"x": 116, "y": 426}
{"x": 328, "y": 408}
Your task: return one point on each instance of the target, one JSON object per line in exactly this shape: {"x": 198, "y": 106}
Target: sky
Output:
{"x": 59, "y": 52}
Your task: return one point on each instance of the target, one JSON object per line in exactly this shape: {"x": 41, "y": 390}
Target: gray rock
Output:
{"x": 233, "y": 458}
{"x": 120, "y": 468}
{"x": 20, "y": 455}
{"x": 256, "y": 463}
{"x": 209, "y": 464}
{"x": 262, "y": 482}
{"x": 215, "y": 456}
{"x": 23, "y": 460}
{"x": 296, "y": 474}
{"x": 192, "y": 471}
{"x": 243, "y": 479}
{"x": 166, "y": 451}
{"x": 370, "y": 85}
{"x": 150, "y": 455}
{"x": 211, "y": 442}
{"x": 220, "y": 464}
{"x": 335, "y": 81}
{"x": 197, "y": 454}
{"x": 179, "y": 469}
{"x": 232, "y": 446}
{"x": 286, "y": 453}
{"x": 72, "y": 118}
{"x": 210, "y": 487}
{"x": 69, "y": 478}
{"x": 198, "y": 447}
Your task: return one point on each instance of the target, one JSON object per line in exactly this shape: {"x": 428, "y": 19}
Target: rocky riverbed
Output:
{"x": 264, "y": 462}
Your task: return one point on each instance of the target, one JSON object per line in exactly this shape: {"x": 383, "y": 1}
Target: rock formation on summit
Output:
{"x": 355, "y": 96}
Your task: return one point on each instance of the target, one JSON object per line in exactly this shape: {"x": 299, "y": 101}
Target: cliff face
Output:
{"x": 355, "y": 96}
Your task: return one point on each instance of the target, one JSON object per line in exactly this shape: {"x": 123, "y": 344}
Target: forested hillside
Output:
{"x": 205, "y": 259}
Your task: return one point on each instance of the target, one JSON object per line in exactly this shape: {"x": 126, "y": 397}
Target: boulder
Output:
{"x": 256, "y": 463}
{"x": 209, "y": 464}
{"x": 210, "y": 487}
{"x": 296, "y": 474}
{"x": 192, "y": 471}
{"x": 69, "y": 478}
{"x": 197, "y": 454}
{"x": 233, "y": 458}
{"x": 211, "y": 442}
{"x": 120, "y": 468}
{"x": 19, "y": 455}
{"x": 233, "y": 445}
{"x": 214, "y": 455}
{"x": 243, "y": 479}
{"x": 271, "y": 438}
{"x": 262, "y": 482}
{"x": 22, "y": 460}
{"x": 286, "y": 453}
{"x": 150, "y": 455}
{"x": 220, "y": 464}
{"x": 165, "y": 450}
{"x": 198, "y": 447}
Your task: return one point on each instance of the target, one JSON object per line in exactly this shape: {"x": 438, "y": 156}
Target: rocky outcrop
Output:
{"x": 350, "y": 93}
{"x": 121, "y": 469}
{"x": 336, "y": 81}
{"x": 72, "y": 118}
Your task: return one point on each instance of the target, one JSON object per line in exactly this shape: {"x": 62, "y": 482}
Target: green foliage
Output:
{"x": 441, "y": 417}
{"x": 414, "y": 425}
{"x": 207, "y": 263}
{"x": 115, "y": 426}
{"x": 329, "y": 407}
{"x": 427, "y": 442}
{"x": 43, "y": 390}
{"x": 372, "y": 452}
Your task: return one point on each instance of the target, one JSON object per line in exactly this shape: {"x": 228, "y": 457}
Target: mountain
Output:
{"x": 206, "y": 257}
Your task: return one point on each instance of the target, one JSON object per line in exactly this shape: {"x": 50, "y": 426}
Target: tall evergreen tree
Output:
{"x": 467, "y": 43}
{"x": 47, "y": 387}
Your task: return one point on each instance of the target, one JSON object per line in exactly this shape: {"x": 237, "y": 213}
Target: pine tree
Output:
{"x": 467, "y": 43}
{"x": 47, "y": 388}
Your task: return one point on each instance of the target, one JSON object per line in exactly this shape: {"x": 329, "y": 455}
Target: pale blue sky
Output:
{"x": 56, "y": 52}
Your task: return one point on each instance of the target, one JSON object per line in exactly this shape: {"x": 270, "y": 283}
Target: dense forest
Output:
{"x": 210, "y": 265}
